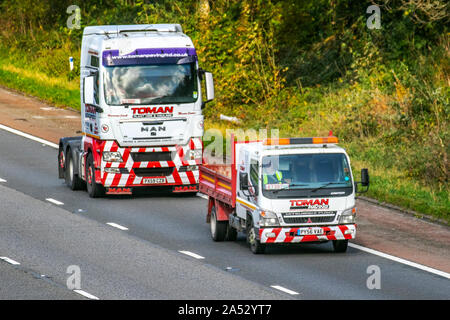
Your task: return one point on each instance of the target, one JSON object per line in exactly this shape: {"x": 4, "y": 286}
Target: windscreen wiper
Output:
{"x": 325, "y": 185}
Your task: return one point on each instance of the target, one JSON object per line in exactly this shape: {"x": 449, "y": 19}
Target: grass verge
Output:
{"x": 58, "y": 92}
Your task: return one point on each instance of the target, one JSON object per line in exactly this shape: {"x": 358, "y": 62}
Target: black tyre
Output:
{"x": 72, "y": 180}
{"x": 255, "y": 245}
{"x": 218, "y": 228}
{"x": 231, "y": 234}
{"x": 94, "y": 190}
{"x": 340, "y": 245}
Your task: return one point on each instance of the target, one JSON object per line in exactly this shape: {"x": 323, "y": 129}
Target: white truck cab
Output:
{"x": 141, "y": 109}
{"x": 295, "y": 190}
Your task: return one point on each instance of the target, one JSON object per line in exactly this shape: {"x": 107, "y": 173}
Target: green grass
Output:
{"x": 391, "y": 186}
{"x": 58, "y": 95}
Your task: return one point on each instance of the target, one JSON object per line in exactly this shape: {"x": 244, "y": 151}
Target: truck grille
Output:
{"x": 309, "y": 217}
{"x": 153, "y": 172}
{"x": 151, "y": 156}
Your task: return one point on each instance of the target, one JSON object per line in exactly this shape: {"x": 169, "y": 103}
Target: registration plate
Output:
{"x": 310, "y": 231}
{"x": 153, "y": 180}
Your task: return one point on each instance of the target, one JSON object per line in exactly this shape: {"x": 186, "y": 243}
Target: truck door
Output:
{"x": 246, "y": 199}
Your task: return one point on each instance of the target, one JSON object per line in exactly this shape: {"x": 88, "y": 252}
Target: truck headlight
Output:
{"x": 268, "y": 219}
{"x": 109, "y": 156}
{"x": 348, "y": 216}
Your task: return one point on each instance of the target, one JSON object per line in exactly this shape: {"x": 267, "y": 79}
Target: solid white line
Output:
{"x": 194, "y": 255}
{"x": 59, "y": 203}
{"x": 2, "y": 180}
{"x": 86, "y": 294}
{"x": 285, "y": 290}
{"x": 118, "y": 226}
{"x": 29, "y": 136}
{"x": 400, "y": 260}
{"x": 11, "y": 261}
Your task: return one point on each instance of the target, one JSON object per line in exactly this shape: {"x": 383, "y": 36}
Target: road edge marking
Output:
{"x": 401, "y": 260}
{"x": 29, "y": 136}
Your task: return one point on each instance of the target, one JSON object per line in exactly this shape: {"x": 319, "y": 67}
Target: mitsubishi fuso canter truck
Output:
{"x": 283, "y": 191}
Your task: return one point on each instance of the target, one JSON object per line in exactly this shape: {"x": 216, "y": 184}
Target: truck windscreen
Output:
{"x": 306, "y": 175}
{"x": 150, "y": 84}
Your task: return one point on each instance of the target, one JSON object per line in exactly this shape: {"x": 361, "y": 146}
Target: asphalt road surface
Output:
{"x": 158, "y": 246}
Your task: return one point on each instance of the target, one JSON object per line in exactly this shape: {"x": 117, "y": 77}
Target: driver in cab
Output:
{"x": 271, "y": 174}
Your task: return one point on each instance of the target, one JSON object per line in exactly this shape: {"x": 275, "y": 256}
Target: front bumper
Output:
{"x": 177, "y": 178}
{"x": 289, "y": 235}
{"x": 135, "y": 173}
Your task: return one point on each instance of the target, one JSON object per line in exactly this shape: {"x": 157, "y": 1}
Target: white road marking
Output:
{"x": 118, "y": 226}
{"x": 29, "y": 136}
{"x": 201, "y": 195}
{"x": 86, "y": 294}
{"x": 400, "y": 260}
{"x": 83, "y": 293}
{"x": 59, "y": 203}
{"x": 194, "y": 255}
{"x": 11, "y": 261}
{"x": 71, "y": 117}
{"x": 284, "y": 290}
{"x": 47, "y": 109}
{"x": 2, "y": 180}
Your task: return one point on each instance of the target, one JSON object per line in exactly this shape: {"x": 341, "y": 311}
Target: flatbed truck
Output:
{"x": 283, "y": 191}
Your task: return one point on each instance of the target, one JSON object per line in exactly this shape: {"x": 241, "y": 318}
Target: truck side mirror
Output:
{"x": 243, "y": 180}
{"x": 364, "y": 181}
{"x": 209, "y": 86}
{"x": 365, "y": 177}
{"x": 209, "y": 82}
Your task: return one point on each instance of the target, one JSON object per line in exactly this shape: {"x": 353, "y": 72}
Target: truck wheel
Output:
{"x": 72, "y": 179}
{"x": 231, "y": 234}
{"x": 94, "y": 190}
{"x": 340, "y": 245}
{"x": 218, "y": 228}
{"x": 255, "y": 245}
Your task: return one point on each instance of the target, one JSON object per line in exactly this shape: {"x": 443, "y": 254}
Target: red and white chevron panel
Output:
{"x": 289, "y": 235}
{"x": 131, "y": 180}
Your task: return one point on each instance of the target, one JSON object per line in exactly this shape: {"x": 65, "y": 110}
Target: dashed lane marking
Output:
{"x": 118, "y": 226}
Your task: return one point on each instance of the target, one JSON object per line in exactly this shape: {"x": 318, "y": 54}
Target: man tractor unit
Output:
{"x": 283, "y": 191}
{"x": 141, "y": 111}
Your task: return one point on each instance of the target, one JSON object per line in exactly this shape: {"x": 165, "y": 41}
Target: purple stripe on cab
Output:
{"x": 147, "y": 55}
